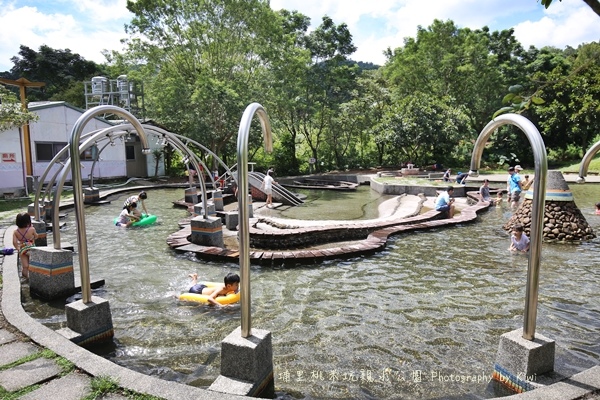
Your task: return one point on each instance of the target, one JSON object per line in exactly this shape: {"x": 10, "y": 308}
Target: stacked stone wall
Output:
{"x": 563, "y": 221}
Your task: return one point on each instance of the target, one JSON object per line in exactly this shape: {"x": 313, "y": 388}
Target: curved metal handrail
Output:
{"x": 537, "y": 211}
{"x": 585, "y": 162}
{"x": 78, "y": 186}
{"x": 244, "y": 218}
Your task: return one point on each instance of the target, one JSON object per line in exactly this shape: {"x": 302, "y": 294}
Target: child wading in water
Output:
{"x": 519, "y": 242}
{"x": 23, "y": 240}
{"x": 231, "y": 284}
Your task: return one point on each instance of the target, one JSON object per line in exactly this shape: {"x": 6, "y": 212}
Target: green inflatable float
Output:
{"x": 147, "y": 219}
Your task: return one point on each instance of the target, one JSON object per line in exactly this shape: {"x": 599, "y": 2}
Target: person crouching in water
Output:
{"x": 137, "y": 199}
{"x": 445, "y": 203}
{"x": 519, "y": 242}
{"x": 231, "y": 283}
{"x": 127, "y": 217}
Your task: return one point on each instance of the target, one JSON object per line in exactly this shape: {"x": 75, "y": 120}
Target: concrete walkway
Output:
{"x": 26, "y": 369}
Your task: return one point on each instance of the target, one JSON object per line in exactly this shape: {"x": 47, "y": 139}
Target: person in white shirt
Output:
{"x": 267, "y": 187}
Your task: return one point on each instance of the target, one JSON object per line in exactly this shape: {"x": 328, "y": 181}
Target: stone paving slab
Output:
{"x": 113, "y": 396}
{"x": 6, "y": 336}
{"x": 29, "y": 373}
{"x": 12, "y": 352}
{"x": 74, "y": 386}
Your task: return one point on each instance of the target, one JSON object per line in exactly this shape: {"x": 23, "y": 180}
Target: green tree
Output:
{"x": 61, "y": 70}
{"x": 309, "y": 79}
{"x": 201, "y": 62}
{"x": 471, "y": 67}
{"x": 286, "y": 89}
{"x": 357, "y": 123}
{"x": 421, "y": 128}
{"x": 12, "y": 113}
{"x": 329, "y": 81}
{"x": 570, "y": 85}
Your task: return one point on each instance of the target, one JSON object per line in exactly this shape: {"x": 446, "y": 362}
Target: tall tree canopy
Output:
{"x": 469, "y": 66}
{"x": 202, "y": 62}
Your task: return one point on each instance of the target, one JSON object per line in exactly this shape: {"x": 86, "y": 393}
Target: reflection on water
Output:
{"x": 335, "y": 205}
{"x": 421, "y": 319}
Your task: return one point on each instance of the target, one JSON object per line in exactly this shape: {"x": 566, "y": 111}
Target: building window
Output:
{"x": 47, "y": 151}
{"x": 90, "y": 154}
{"x": 129, "y": 152}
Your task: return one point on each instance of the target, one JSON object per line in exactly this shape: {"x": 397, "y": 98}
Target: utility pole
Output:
{"x": 23, "y": 83}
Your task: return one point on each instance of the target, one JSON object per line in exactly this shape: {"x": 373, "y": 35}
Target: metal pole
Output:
{"x": 78, "y": 186}
{"x": 537, "y": 211}
{"x": 244, "y": 219}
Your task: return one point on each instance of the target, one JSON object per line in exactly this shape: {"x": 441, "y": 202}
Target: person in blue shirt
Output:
{"x": 445, "y": 203}
{"x": 514, "y": 186}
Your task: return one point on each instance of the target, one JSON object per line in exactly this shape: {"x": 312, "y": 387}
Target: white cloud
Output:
{"x": 568, "y": 23}
{"x": 98, "y": 27}
{"x": 398, "y": 19}
{"x": 89, "y": 26}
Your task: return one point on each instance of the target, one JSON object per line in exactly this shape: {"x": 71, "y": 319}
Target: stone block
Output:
{"x": 91, "y": 195}
{"x": 51, "y": 273}
{"x": 93, "y": 321}
{"x": 217, "y": 198}
{"x": 249, "y": 360}
{"x": 31, "y": 210}
{"x": 48, "y": 210}
{"x": 207, "y": 231}
{"x": 40, "y": 228}
{"x": 191, "y": 195}
{"x": 231, "y": 220}
{"x": 210, "y": 209}
{"x": 250, "y": 207}
{"x": 520, "y": 362}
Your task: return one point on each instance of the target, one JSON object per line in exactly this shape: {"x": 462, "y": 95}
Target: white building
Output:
{"x": 50, "y": 134}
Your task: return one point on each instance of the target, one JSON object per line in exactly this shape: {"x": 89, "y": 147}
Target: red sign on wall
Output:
{"x": 9, "y": 157}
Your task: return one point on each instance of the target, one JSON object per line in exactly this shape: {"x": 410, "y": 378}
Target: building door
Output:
{"x": 136, "y": 161}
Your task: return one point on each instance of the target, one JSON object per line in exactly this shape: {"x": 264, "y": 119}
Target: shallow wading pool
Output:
{"x": 421, "y": 319}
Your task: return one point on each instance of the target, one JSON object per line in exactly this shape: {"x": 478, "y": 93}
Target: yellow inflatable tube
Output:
{"x": 230, "y": 298}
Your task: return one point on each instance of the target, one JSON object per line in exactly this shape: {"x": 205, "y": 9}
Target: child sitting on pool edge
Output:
{"x": 231, "y": 284}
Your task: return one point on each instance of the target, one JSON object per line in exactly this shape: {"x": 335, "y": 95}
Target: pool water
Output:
{"x": 421, "y": 319}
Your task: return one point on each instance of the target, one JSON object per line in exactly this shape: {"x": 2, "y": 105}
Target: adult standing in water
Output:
{"x": 514, "y": 187}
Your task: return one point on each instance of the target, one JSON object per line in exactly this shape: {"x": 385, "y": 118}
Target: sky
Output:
{"x": 87, "y": 27}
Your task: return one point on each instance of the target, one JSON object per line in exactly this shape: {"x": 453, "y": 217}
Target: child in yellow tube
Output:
{"x": 231, "y": 283}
